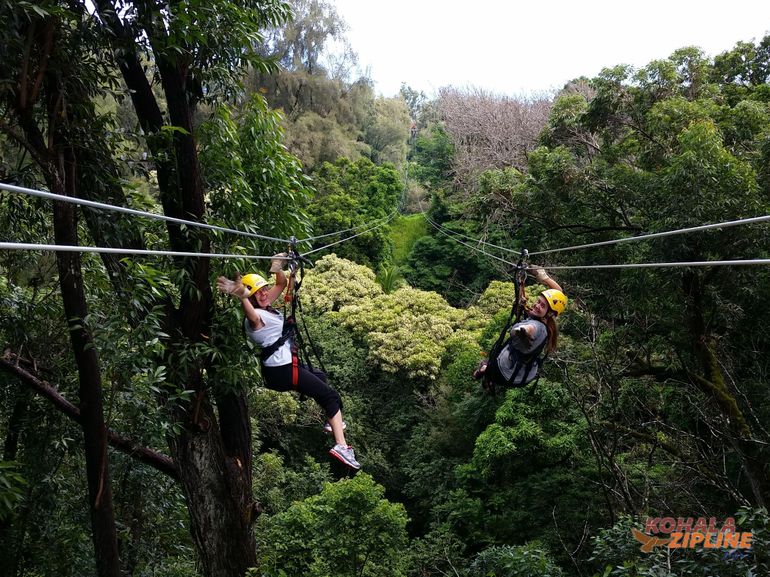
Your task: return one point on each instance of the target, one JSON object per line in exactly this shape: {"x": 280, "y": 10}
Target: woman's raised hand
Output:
{"x": 232, "y": 287}
{"x": 277, "y": 264}
{"x": 538, "y": 272}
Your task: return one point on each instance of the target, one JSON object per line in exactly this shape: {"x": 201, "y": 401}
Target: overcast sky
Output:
{"x": 518, "y": 47}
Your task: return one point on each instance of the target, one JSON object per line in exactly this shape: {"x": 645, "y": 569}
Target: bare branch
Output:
{"x": 11, "y": 363}
{"x": 491, "y": 131}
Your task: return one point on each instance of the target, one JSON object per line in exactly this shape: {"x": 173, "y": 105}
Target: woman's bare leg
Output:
{"x": 336, "y": 423}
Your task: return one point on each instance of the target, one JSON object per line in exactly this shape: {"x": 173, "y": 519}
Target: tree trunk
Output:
{"x": 214, "y": 465}
{"x": 712, "y": 383}
{"x": 218, "y": 501}
{"x": 89, "y": 376}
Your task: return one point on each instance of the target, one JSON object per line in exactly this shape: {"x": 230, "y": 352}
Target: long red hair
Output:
{"x": 553, "y": 332}
{"x": 549, "y": 320}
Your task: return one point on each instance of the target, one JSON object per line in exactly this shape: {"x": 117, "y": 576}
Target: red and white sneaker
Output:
{"x": 346, "y": 455}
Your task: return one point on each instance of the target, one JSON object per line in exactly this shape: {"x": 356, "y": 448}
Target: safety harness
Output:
{"x": 290, "y": 331}
{"x": 521, "y": 361}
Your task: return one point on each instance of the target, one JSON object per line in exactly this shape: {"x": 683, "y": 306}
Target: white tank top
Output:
{"x": 270, "y": 332}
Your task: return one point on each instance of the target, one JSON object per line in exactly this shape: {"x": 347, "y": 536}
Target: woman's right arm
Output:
{"x": 251, "y": 313}
{"x": 523, "y": 331}
{"x": 236, "y": 289}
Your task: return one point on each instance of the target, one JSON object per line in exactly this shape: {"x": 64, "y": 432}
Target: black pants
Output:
{"x": 493, "y": 373}
{"x": 279, "y": 379}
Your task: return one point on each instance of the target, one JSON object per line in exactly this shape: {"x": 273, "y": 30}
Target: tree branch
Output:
{"x": 10, "y": 364}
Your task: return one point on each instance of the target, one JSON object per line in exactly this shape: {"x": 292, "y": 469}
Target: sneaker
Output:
{"x": 328, "y": 427}
{"x": 346, "y": 455}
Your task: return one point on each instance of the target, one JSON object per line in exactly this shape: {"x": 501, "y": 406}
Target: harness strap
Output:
{"x": 526, "y": 361}
{"x": 294, "y": 367}
{"x": 519, "y": 298}
{"x": 289, "y": 327}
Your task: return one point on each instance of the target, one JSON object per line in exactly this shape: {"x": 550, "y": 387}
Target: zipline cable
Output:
{"x": 312, "y": 238}
{"x": 134, "y": 212}
{"x": 112, "y": 250}
{"x": 478, "y": 240}
{"x": 659, "y": 234}
{"x": 752, "y": 220}
{"x": 746, "y": 262}
{"x": 350, "y": 237}
{"x": 476, "y": 248}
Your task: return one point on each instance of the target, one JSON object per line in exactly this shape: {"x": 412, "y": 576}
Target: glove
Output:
{"x": 276, "y": 265}
{"x": 523, "y": 336}
{"x": 538, "y": 272}
{"x": 232, "y": 287}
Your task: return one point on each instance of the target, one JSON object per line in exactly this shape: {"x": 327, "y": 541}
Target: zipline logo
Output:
{"x": 688, "y": 533}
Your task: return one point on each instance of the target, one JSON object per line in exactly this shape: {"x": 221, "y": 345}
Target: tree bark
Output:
{"x": 214, "y": 464}
{"x": 89, "y": 377}
{"x": 712, "y": 383}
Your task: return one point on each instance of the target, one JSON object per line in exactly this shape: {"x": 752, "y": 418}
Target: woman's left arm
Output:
{"x": 280, "y": 284}
{"x": 542, "y": 277}
{"x": 276, "y": 267}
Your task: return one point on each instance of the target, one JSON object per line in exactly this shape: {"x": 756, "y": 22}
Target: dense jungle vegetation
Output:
{"x": 137, "y": 438}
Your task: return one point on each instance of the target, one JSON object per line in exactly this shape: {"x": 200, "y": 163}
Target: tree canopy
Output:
{"x": 138, "y": 437}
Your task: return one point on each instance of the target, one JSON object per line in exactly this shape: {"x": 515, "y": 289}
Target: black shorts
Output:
{"x": 308, "y": 383}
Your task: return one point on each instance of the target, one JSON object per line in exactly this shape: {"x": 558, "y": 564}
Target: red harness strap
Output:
{"x": 294, "y": 367}
{"x": 287, "y": 298}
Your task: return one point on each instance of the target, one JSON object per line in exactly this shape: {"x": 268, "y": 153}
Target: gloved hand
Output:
{"x": 232, "y": 287}
{"x": 538, "y": 272}
{"x": 523, "y": 336}
{"x": 276, "y": 265}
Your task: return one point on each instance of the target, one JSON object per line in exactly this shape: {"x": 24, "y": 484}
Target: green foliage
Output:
{"x": 414, "y": 100}
{"x": 439, "y": 264}
{"x": 328, "y": 115}
{"x": 335, "y": 282}
{"x": 349, "y": 196}
{"x": 405, "y": 330}
{"x": 444, "y": 261}
{"x": 432, "y": 157}
{"x": 316, "y": 139}
{"x": 506, "y": 561}
{"x": 349, "y": 529}
{"x": 300, "y": 43}
{"x": 388, "y": 131}
{"x": 435, "y": 554}
{"x": 249, "y": 172}
{"x": 277, "y": 487}
{"x": 217, "y": 49}
{"x": 389, "y": 278}
{"x": 11, "y": 488}
{"x": 404, "y": 232}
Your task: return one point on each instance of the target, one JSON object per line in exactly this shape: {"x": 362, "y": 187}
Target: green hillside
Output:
{"x": 404, "y": 232}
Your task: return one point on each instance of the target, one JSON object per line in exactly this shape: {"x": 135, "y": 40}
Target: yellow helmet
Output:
{"x": 253, "y": 282}
{"x": 557, "y": 300}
